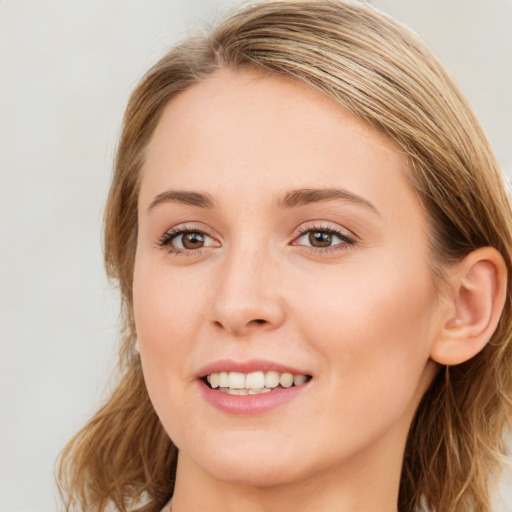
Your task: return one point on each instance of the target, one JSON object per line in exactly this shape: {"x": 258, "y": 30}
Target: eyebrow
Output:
{"x": 305, "y": 196}
{"x": 183, "y": 197}
{"x": 292, "y": 199}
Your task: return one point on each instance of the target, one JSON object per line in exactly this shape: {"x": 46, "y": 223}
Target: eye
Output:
{"x": 323, "y": 238}
{"x": 181, "y": 240}
{"x": 190, "y": 240}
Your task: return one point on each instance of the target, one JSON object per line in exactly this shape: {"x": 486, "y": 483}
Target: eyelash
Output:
{"x": 346, "y": 240}
{"x": 168, "y": 237}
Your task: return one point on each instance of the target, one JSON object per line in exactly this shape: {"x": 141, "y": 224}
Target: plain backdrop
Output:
{"x": 66, "y": 70}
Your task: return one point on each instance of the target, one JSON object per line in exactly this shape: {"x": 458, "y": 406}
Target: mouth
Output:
{"x": 254, "y": 383}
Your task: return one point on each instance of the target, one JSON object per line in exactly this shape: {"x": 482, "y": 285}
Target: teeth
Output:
{"x": 223, "y": 379}
{"x": 258, "y": 391}
{"x": 255, "y": 380}
{"x": 286, "y": 380}
{"x": 299, "y": 379}
{"x": 236, "y": 380}
{"x": 271, "y": 379}
{"x": 238, "y": 391}
{"x": 213, "y": 379}
{"x": 254, "y": 383}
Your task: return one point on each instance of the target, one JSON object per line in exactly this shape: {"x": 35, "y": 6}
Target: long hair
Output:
{"x": 385, "y": 75}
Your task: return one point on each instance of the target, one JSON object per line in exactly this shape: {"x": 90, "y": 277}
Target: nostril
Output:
{"x": 259, "y": 321}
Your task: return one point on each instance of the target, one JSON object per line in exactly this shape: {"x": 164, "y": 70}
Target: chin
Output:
{"x": 256, "y": 464}
{"x": 254, "y": 473}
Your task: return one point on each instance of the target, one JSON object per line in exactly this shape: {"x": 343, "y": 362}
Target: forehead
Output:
{"x": 251, "y": 133}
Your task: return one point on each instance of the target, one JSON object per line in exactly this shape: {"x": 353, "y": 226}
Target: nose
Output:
{"x": 247, "y": 296}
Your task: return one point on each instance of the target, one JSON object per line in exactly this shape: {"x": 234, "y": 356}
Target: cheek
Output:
{"x": 373, "y": 327}
{"x": 166, "y": 309}
{"x": 165, "y": 315}
{"x": 170, "y": 310}
{"x": 161, "y": 320}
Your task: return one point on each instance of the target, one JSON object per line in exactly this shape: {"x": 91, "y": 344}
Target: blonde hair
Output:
{"x": 382, "y": 73}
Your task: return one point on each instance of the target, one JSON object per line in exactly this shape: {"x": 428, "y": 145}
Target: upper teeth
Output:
{"x": 254, "y": 380}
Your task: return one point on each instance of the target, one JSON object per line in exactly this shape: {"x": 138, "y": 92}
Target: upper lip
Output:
{"x": 253, "y": 365}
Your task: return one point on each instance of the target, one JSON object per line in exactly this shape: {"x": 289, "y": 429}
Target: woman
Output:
{"x": 313, "y": 245}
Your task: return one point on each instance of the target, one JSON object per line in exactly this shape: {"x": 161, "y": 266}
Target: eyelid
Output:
{"x": 347, "y": 237}
{"x": 326, "y": 226}
{"x": 169, "y": 235}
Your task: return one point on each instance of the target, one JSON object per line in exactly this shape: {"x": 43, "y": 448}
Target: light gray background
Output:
{"x": 66, "y": 69}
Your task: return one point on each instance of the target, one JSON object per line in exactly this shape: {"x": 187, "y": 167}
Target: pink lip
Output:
{"x": 254, "y": 365}
{"x": 248, "y": 404}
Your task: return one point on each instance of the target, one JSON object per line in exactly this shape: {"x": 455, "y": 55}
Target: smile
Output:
{"x": 254, "y": 383}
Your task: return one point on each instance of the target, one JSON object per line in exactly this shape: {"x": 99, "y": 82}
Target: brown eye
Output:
{"x": 324, "y": 239}
{"x": 187, "y": 241}
{"x": 320, "y": 239}
{"x": 192, "y": 240}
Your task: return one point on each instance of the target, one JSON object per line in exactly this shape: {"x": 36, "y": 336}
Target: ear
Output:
{"x": 476, "y": 296}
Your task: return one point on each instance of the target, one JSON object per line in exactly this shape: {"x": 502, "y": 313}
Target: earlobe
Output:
{"x": 478, "y": 290}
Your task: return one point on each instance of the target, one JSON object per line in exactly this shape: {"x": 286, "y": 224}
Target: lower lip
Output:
{"x": 250, "y": 404}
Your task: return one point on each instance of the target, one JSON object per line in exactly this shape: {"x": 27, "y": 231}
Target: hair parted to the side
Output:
{"x": 382, "y": 73}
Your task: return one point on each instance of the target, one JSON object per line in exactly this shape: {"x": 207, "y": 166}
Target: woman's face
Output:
{"x": 278, "y": 235}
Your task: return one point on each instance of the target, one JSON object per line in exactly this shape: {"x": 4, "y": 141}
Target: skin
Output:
{"x": 359, "y": 316}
